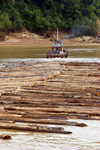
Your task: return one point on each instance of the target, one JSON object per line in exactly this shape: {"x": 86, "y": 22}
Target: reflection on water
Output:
{"x": 86, "y": 138}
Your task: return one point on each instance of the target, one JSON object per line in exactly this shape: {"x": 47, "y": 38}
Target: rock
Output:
{"x": 96, "y": 41}
{"x": 87, "y": 38}
{"x": 2, "y": 38}
{"x": 77, "y": 39}
{"x": 36, "y": 36}
{"x": 24, "y": 36}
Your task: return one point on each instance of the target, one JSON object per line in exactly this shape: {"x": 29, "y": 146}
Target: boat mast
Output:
{"x": 57, "y": 34}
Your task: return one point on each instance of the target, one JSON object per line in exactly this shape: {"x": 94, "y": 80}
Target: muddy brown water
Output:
{"x": 82, "y": 138}
{"x": 31, "y": 52}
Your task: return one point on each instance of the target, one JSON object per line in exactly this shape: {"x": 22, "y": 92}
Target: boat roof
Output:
{"x": 57, "y": 43}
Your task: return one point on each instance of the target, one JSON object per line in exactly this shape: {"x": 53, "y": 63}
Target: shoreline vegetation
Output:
{"x": 42, "y": 18}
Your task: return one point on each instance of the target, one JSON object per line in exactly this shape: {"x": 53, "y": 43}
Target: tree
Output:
{"x": 5, "y": 23}
{"x": 49, "y": 14}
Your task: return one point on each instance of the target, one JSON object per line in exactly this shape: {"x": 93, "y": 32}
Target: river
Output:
{"x": 87, "y": 138}
{"x": 29, "y": 53}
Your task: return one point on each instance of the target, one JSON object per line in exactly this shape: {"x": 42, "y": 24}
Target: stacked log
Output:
{"x": 49, "y": 93}
{"x": 33, "y": 128}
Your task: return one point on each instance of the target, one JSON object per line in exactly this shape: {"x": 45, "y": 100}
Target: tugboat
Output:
{"x": 57, "y": 49}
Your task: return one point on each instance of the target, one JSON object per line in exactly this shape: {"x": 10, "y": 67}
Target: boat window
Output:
{"x": 59, "y": 49}
{"x": 54, "y": 49}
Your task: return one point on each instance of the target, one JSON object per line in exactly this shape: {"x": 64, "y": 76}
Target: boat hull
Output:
{"x": 51, "y": 55}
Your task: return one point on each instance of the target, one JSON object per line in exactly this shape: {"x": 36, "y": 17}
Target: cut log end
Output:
{"x": 81, "y": 124}
{"x": 5, "y": 137}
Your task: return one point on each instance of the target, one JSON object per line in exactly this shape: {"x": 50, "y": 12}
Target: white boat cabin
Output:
{"x": 57, "y": 46}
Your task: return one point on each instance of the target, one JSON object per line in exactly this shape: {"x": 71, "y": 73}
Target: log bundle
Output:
{"x": 49, "y": 93}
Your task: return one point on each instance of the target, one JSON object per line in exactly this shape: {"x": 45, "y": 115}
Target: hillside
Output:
{"x": 48, "y": 15}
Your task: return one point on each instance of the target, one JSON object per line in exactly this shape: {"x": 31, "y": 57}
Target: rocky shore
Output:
{"x": 40, "y": 94}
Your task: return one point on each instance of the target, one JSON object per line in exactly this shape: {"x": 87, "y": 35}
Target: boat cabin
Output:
{"x": 57, "y": 46}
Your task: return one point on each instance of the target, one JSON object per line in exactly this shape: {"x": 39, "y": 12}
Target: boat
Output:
{"x": 57, "y": 49}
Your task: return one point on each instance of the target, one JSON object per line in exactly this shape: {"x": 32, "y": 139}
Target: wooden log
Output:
{"x": 5, "y": 137}
{"x": 48, "y": 99}
{"x": 44, "y": 121}
{"x": 33, "y": 128}
{"x": 51, "y": 115}
{"x": 91, "y": 111}
{"x": 46, "y": 127}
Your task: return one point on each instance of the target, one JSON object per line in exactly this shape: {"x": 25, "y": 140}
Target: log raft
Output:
{"x": 32, "y": 128}
{"x": 49, "y": 93}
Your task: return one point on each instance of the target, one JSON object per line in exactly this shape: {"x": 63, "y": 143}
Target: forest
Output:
{"x": 47, "y": 15}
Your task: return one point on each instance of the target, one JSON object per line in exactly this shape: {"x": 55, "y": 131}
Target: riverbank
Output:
{"x": 43, "y": 93}
{"x": 41, "y": 42}
{"x": 27, "y": 38}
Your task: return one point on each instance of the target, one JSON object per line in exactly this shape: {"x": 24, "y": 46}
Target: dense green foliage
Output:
{"x": 37, "y": 15}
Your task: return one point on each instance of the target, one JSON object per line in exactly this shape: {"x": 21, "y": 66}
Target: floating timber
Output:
{"x": 33, "y": 128}
{"x": 48, "y": 93}
{"x": 5, "y": 137}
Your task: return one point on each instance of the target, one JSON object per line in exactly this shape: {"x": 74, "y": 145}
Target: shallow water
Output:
{"x": 83, "y": 138}
{"x": 86, "y": 138}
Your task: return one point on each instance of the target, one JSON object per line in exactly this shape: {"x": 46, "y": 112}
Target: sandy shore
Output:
{"x": 36, "y": 42}
{"x": 39, "y": 41}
